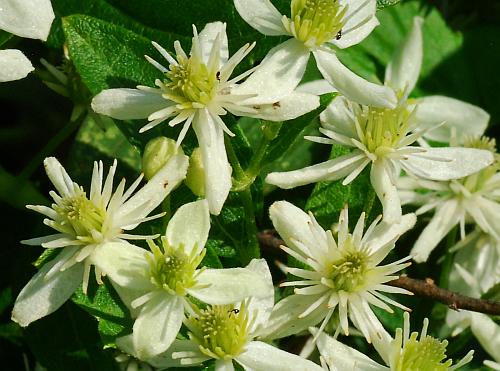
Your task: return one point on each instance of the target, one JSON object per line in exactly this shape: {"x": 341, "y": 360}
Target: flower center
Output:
{"x": 171, "y": 269}
{"x": 382, "y": 129}
{"x": 349, "y": 272}
{"x": 423, "y": 355}
{"x": 315, "y": 22}
{"x": 190, "y": 82}
{"x": 220, "y": 330}
{"x": 81, "y": 215}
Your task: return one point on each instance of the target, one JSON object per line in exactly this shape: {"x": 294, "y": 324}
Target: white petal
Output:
{"x": 385, "y": 232}
{"x": 464, "y": 118}
{"x": 165, "y": 360}
{"x": 26, "y": 18}
{"x": 224, "y": 365}
{"x": 285, "y": 321}
{"x": 277, "y": 75}
{"x": 128, "y": 104}
{"x": 445, "y": 218}
{"x": 123, "y": 263}
{"x": 13, "y": 65}
{"x": 292, "y": 224}
{"x": 288, "y": 108}
{"x": 207, "y": 37}
{"x": 157, "y": 325}
{"x": 447, "y": 163}
{"x": 403, "y": 70}
{"x": 58, "y": 176}
{"x": 360, "y": 23}
{"x": 263, "y": 305}
{"x": 231, "y": 285}
{"x": 215, "y": 163}
{"x": 351, "y": 85}
{"x": 153, "y": 193}
{"x": 343, "y": 357}
{"x": 386, "y": 191}
{"x": 261, "y": 15}
{"x": 189, "y": 226}
{"x": 317, "y": 87}
{"x": 487, "y": 332}
{"x": 330, "y": 170}
{"x": 339, "y": 117}
{"x": 261, "y": 356}
{"x": 42, "y": 296}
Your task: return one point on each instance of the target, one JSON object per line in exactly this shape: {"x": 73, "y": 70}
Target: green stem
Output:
{"x": 51, "y": 146}
{"x": 451, "y": 240}
{"x": 239, "y": 173}
{"x": 252, "y": 249}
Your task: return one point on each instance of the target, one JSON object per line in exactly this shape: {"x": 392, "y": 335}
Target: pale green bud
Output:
{"x": 195, "y": 178}
{"x": 156, "y": 154}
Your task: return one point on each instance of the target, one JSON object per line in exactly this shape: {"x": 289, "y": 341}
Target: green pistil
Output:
{"x": 316, "y": 21}
{"x": 81, "y": 214}
{"x": 190, "y": 82}
{"x": 424, "y": 355}
{"x": 349, "y": 272}
{"x": 221, "y": 331}
{"x": 171, "y": 268}
{"x": 381, "y": 129}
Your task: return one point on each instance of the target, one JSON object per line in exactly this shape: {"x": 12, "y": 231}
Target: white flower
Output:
{"x": 384, "y": 138}
{"x": 404, "y": 352}
{"x": 197, "y": 90}
{"x": 26, "y": 18}
{"x": 227, "y": 333}
{"x": 317, "y": 27}
{"x": 345, "y": 274}
{"x": 157, "y": 285}
{"x": 84, "y": 226}
{"x": 474, "y": 198}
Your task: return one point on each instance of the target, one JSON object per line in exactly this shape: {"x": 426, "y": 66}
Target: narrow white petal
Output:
{"x": 42, "y": 296}
{"x": 352, "y": 86}
{"x": 343, "y": 357}
{"x": 214, "y": 158}
{"x": 27, "y": 18}
{"x": 277, "y": 75}
{"x": 13, "y": 65}
{"x": 261, "y": 356}
{"x": 360, "y": 22}
{"x": 224, "y": 365}
{"x": 487, "y": 332}
{"x": 165, "y": 360}
{"x": 339, "y": 117}
{"x": 128, "y": 104}
{"x": 288, "y": 108}
{"x": 123, "y": 263}
{"x": 386, "y": 191}
{"x": 285, "y": 321}
{"x": 445, "y": 218}
{"x": 189, "y": 226}
{"x": 446, "y": 163}
{"x": 261, "y": 15}
{"x": 231, "y": 285}
{"x": 463, "y": 118}
{"x": 58, "y": 176}
{"x": 207, "y": 37}
{"x": 317, "y": 87}
{"x": 385, "y": 233}
{"x": 262, "y": 305}
{"x": 330, "y": 170}
{"x": 157, "y": 325}
{"x": 403, "y": 70}
{"x": 153, "y": 193}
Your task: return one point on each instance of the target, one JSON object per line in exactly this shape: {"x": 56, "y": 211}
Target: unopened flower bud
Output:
{"x": 195, "y": 178}
{"x": 156, "y": 154}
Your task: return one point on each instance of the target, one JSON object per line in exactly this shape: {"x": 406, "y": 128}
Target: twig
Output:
{"x": 453, "y": 300}
{"x": 270, "y": 241}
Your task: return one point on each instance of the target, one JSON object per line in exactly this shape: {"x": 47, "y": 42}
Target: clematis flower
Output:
{"x": 317, "y": 27}
{"x": 345, "y": 275}
{"x": 385, "y": 138}
{"x": 86, "y": 225}
{"x": 404, "y": 352}
{"x": 26, "y": 18}
{"x": 227, "y": 333}
{"x": 196, "y": 90}
{"x": 474, "y": 198}
{"x": 159, "y": 284}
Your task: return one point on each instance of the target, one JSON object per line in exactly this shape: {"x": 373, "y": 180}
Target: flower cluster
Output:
{"x": 190, "y": 302}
